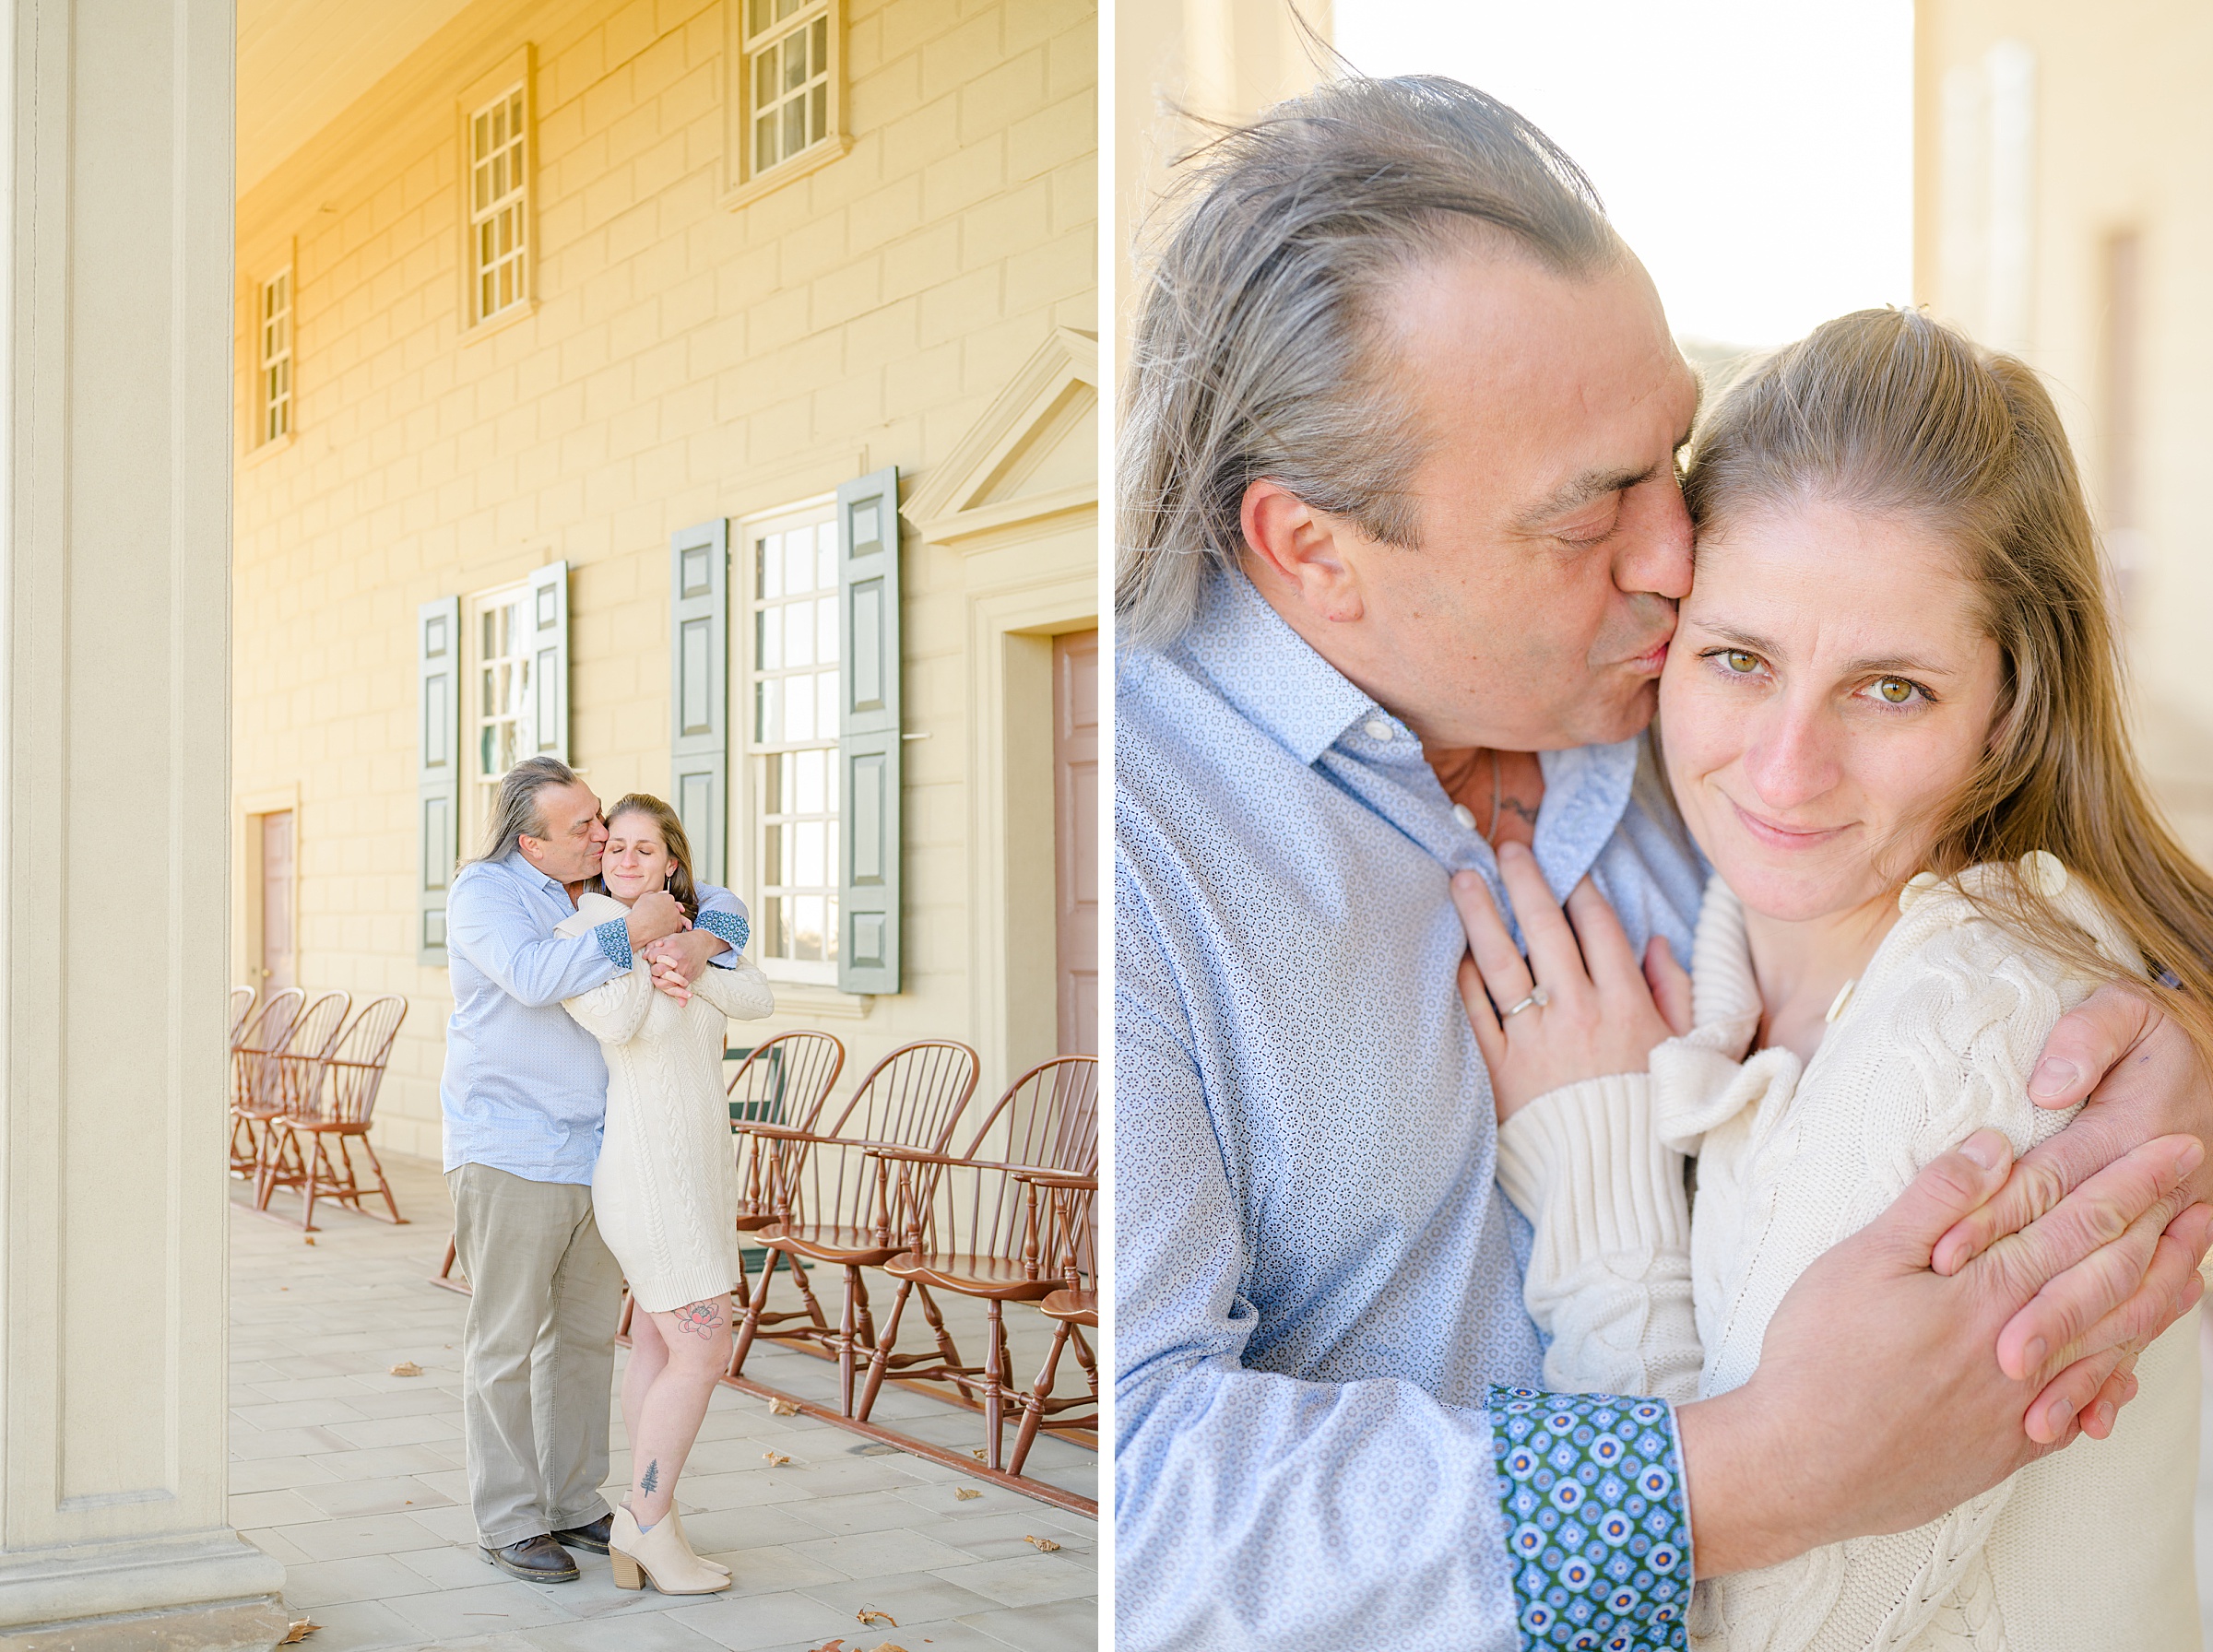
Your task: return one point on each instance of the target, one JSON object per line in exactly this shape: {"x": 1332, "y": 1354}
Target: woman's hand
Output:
{"x": 1601, "y": 1014}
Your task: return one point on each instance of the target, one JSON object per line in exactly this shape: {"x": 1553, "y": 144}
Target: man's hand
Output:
{"x": 656, "y": 914}
{"x": 1878, "y": 1403}
{"x": 678, "y": 959}
{"x": 2143, "y": 1079}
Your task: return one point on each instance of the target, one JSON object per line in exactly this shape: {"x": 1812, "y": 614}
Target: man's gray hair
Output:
{"x": 515, "y": 813}
{"x": 1253, "y": 355}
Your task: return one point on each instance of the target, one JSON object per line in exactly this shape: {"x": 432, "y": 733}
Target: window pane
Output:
{"x": 765, "y": 79}
{"x": 829, "y": 928}
{"x": 768, "y": 565}
{"x": 799, "y": 633}
{"x": 768, "y": 712}
{"x": 825, "y": 705}
{"x": 818, "y": 113}
{"x": 825, "y": 556}
{"x": 798, "y": 711}
{"x": 775, "y": 784}
{"x": 773, "y": 846}
{"x": 795, "y": 125}
{"x": 768, "y": 641}
{"x": 807, "y": 927}
{"x": 820, "y": 34}
{"x": 798, "y": 573}
{"x": 826, "y": 631}
{"x": 775, "y": 942}
{"x": 765, "y": 143}
{"x": 830, "y": 785}
{"x": 795, "y": 60}
{"x": 807, "y": 859}
{"x": 807, "y": 793}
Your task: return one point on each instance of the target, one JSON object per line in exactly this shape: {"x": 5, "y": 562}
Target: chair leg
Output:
{"x": 750, "y": 1323}
{"x": 947, "y": 1350}
{"x": 995, "y": 1380}
{"x": 814, "y": 1308}
{"x": 1032, "y": 1410}
{"x": 384, "y": 1185}
{"x": 846, "y": 1340}
{"x": 309, "y": 1184}
{"x": 882, "y": 1358}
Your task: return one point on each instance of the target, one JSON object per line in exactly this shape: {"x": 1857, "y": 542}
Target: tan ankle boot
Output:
{"x": 661, "y": 1555}
{"x": 677, "y": 1521}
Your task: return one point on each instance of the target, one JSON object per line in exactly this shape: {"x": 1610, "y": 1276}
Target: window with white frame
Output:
{"x": 786, "y": 56}
{"x": 500, "y": 706}
{"x": 792, "y": 727}
{"x": 499, "y": 203}
{"x": 274, "y": 376}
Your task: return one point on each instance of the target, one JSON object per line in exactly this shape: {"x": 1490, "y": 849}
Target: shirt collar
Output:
{"x": 1268, "y": 672}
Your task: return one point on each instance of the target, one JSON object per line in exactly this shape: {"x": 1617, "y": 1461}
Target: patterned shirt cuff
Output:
{"x": 731, "y": 926}
{"x": 614, "y": 940}
{"x": 1597, "y": 1529}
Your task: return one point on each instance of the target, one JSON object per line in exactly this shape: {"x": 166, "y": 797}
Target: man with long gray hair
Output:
{"x": 1401, "y": 542}
{"x": 525, "y": 1097}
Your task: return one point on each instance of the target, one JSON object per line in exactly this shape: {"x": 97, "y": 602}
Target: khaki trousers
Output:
{"x": 538, "y": 1355}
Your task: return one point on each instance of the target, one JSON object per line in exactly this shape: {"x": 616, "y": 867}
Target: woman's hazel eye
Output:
{"x": 1737, "y": 660}
{"x": 1896, "y": 689}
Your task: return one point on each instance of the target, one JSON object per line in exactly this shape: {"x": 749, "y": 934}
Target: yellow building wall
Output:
{"x": 2122, "y": 141}
{"x": 683, "y": 362}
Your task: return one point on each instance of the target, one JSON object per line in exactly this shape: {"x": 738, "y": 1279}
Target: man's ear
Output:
{"x": 1299, "y": 550}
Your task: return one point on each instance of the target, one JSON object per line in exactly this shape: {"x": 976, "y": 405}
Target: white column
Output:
{"x": 114, "y": 718}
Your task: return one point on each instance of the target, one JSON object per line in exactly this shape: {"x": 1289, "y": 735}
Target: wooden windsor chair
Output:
{"x": 980, "y": 1224}
{"x": 253, "y": 1077}
{"x": 1072, "y": 1306}
{"x": 833, "y": 1195}
{"x": 297, "y": 1071}
{"x": 242, "y": 1006}
{"x": 338, "y": 1109}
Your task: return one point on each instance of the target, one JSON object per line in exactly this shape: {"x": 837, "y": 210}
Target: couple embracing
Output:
{"x": 1485, "y": 1277}
{"x": 587, "y": 1142}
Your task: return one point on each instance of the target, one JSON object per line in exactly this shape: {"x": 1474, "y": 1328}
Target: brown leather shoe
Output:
{"x": 535, "y": 1560}
{"x": 592, "y": 1536}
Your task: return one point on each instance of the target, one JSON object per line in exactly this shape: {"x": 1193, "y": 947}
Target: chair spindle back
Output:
{"x": 357, "y": 1065}
{"x": 914, "y": 1097}
{"x": 307, "y": 1051}
{"x": 253, "y": 1057}
{"x": 242, "y": 1006}
{"x": 1048, "y": 1119}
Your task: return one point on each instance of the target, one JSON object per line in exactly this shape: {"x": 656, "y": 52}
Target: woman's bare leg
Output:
{"x": 696, "y": 1344}
{"x": 648, "y": 1356}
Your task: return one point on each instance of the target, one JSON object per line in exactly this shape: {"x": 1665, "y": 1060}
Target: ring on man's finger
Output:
{"x": 1538, "y": 997}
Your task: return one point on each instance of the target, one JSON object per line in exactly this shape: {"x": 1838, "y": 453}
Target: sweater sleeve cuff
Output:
{"x": 1597, "y": 1531}
{"x": 614, "y": 940}
{"x": 1591, "y": 1152}
{"x": 730, "y": 926}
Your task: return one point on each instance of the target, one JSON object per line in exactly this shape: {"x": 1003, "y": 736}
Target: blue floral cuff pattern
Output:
{"x": 614, "y": 940}
{"x": 1597, "y": 1531}
{"x": 731, "y": 926}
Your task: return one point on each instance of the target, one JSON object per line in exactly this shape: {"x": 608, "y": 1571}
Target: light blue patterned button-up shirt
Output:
{"x": 1316, "y": 1280}
{"x": 525, "y": 1088}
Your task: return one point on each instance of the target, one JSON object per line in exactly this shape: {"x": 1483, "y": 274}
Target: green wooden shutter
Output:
{"x": 867, "y": 743}
{"x": 699, "y": 653}
{"x": 545, "y": 617}
{"x": 438, "y": 768}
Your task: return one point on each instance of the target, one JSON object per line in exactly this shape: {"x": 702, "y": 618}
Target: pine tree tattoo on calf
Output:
{"x": 651, "y": 1478}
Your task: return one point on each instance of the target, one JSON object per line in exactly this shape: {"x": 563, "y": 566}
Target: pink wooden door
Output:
{"x": 277, "y": 967}
{"x": 1076, "y": 836}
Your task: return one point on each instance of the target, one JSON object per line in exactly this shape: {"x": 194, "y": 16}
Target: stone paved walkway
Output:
{"x": 352, "y": 1478}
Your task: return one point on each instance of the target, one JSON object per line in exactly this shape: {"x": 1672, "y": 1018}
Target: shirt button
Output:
{"x": 1378, "y": 729}
{"x": 1464, "y": 815}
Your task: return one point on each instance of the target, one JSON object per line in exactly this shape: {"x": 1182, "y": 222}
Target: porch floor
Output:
{"x": 354, "y": 1478}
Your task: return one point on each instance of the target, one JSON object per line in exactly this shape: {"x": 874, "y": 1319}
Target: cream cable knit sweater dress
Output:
{"x": 2086, "y": 1551}
{"x": 664, "y": 1190}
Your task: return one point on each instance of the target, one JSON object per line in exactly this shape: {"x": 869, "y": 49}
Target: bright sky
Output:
{"x": 1758, "y": 154}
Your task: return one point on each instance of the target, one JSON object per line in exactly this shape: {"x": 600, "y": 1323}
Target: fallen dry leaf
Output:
{"x": 977, "y": 1452}
{"x": 407, "y": 1368}
{"x": 835, "y": 1645}
{"x": 887, "y": 1647}
{"x": 307, "y": 1238}
{"x": 868, "y": 1617}
{"x": 964, "y": 1493}
{"x": 776, "y": 1460}
{"x": 1045, "y": 1545}
{"x": 783, "y": 1408}
{"x": 300, "y": 1631}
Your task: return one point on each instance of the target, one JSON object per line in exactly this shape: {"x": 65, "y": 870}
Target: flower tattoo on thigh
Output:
{"x": 700, "y": 1318}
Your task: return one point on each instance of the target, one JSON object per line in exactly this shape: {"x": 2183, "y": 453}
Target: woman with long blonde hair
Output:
{"x": 1892, "y": 718}
{"x": 664, "y": 1190}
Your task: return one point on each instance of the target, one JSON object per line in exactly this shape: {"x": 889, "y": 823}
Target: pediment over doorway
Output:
{"x": 1032, "y": 455}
